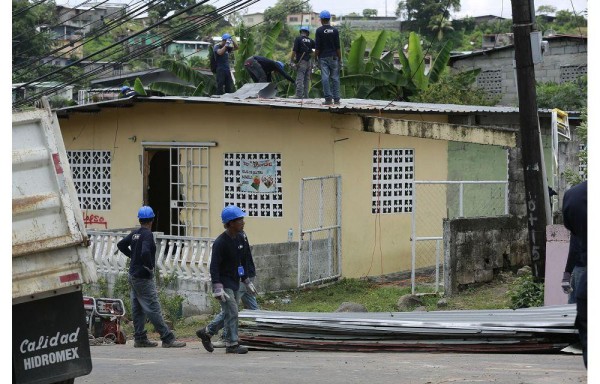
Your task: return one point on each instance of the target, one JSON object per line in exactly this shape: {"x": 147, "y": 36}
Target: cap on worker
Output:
{"x": 145, "y": 213}
{"x": 324, "y": 15}
{"x": 226, "y": 36}
{"x": 125, "y": 89}
{"x": 280, "y": 64}
{"x": 304, "y": 28}
{"x": 231, "y": 212}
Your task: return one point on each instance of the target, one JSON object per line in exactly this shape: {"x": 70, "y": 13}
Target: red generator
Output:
{"x": 103, "y": 318}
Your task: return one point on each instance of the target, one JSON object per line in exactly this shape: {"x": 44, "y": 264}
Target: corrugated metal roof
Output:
{"x": 347, "y": 105}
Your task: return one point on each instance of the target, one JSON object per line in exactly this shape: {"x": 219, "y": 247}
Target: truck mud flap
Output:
{"x": 50, "y": 340}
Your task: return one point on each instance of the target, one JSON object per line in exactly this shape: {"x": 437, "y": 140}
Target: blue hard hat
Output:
{"x": 125, "y": 89}
{"x": 226, "y": 36}
{"x": 145, "y": 213}
{"x": 231, "y": 212}
{"x": 324, "y": 15}
{"x": 280, "y": 64}
{"x": 304, "y": 28}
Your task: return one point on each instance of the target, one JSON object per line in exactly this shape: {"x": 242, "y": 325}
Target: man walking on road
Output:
{"x": 140, "y": 247}
{"x": 302, "y": 59}
{"x": 329, "y": 56}
{"x": 228, "y": 266}
{"x": 221, "y": 51}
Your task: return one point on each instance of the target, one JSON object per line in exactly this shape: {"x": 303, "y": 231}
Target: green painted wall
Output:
{"x": 476, "y": 162}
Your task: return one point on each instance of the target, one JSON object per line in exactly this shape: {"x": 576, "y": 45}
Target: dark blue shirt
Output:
{"x": 227, "y": 255}
{"x": 303, "y": 47}
{"x": 140, "y": 247}
{"x": 327, "y": 41}
{"x": 222, "y": 60}
{"x": 575, "y": 217}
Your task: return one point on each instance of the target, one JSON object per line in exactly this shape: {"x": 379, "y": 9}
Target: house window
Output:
{"x": 392, "y": 180}
{"x": 572, "y": 72}
{"x": 257, "y": 203}
{"x": 91, "y": 175}
{"x": 293, "y": 19}
{"x": 251, "y": 19}
{"x": 491, "y": 81}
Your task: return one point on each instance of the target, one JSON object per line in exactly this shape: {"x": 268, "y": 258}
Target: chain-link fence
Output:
{"x": 319, "y": 248}
{"x": 433, "y": 201}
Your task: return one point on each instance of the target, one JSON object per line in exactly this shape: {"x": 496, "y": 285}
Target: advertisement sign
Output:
{"x": 258, "y": 176}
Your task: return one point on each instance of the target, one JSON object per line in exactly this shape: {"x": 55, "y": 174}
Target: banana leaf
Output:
{"x": 173, "y": 89}
{"x": 182, "y": 71}
{"x": 377, "y": 49}
{"x": 356, "y": 58}
{"x": 416, "y": 62}
{"x": 268, "y": 45}
{"x": 441, "y": 62}
{"x": 246, "y": 49}
{"x": 139, "y": 87}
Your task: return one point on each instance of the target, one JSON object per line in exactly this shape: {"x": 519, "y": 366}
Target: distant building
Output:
{"x": 90, "y": 15}
{"x": 300, "y": 19}
{"x": 252, "y": 19}
{"x": 496, "y": 40}
{"x": 188, "y": 49}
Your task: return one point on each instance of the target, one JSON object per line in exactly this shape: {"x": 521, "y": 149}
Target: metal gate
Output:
{"x": 434, "y": 201}
{"x": 319, "y": 248}
{"x": 189, "y": 191}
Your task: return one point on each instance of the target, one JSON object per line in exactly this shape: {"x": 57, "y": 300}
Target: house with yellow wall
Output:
{"x": 340, "y": 179}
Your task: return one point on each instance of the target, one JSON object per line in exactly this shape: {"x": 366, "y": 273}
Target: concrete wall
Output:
{"x": 561, "y": 53}
{"x": 475, "y": 248}
{"x": 374, "y": 25}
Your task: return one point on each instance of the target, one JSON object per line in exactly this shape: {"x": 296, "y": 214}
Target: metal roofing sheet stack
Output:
{"x": 544, "y": 329}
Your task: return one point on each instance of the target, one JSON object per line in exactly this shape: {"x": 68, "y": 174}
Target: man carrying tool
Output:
{"x": 223, "y": 73}
{"x": 228, "y": 266}
{"x": 260, "y": 69}
{"x": 302, "y": 60}
{"x": 140, "y": 247}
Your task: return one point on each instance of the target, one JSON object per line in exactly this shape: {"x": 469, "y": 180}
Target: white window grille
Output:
{"x": 490, "y": 81}
{"x": 253, "y": 203}
{"x": 572, "y": 72}
{"x": 91, "y": 176}
{"x": 393, "y": 180}
{"x": 582, "y": 165}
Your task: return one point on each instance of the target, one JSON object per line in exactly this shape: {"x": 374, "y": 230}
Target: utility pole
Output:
{"x": 523, "y": 18}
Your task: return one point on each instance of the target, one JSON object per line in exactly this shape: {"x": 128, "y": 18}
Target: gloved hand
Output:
{"x": 229, "y": 43}
{"x": 566, "y": 283}
{"x": 292, "y": 65}
{"x": 219, "y": 293}
{"x": 250, "y": 287}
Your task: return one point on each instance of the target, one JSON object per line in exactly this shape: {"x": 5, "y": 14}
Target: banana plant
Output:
{"x": 203, "y": 85}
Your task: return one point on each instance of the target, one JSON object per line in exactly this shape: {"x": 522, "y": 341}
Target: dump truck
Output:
{"x": 51, "y": 259}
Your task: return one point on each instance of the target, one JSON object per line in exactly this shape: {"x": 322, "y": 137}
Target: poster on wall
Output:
{"x": 258, "y": 176}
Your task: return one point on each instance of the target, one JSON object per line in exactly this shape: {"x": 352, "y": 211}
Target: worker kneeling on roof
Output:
{"x": 260, "y": 69}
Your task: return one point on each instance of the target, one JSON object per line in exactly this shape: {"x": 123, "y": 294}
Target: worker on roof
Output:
{"x": 260, "y": 69}
{"x": 302, "y": 59}
{"x": 223, "y": 70}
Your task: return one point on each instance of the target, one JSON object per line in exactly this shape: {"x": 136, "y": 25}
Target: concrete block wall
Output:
{"x": 276, "y": 266}
{"x": 476, "y": 248}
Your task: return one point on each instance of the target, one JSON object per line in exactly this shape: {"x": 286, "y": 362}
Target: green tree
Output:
{"x": 203, "y": 85}
{"x": 283, "y": 8}
{"x": 545, "y": 10}
{"x": 568, "y": 96}
{"x": 369, "y": 12}
{"x": 438, "y": 25}
{"x": 420, "y": 12}
{"x": 28, "y": 43}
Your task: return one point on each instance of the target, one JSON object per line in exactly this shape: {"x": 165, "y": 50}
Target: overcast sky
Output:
{"x": 344, "y": 7}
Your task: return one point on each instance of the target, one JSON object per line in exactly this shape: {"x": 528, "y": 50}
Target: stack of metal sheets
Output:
{"x": 543, "y": 329}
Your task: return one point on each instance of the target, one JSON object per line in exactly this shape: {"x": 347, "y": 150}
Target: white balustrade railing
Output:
{"x": 186, "y": 258}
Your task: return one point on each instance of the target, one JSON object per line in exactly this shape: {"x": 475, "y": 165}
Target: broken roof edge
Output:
{"x": 347, "y": 106}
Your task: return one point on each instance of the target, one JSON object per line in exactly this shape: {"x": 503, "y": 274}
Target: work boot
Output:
{"x": 205, "y": 337}
{"x": 240, "y": 350}
{"x": 219, "y": 343}
{"x": 328, "y": 102}
{"x": 173, "y": 344}
{"x": 144, "y": 344}
{"x": 336, "y": 102}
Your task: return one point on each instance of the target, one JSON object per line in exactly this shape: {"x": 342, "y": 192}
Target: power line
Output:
{"x": 207, "y": 19}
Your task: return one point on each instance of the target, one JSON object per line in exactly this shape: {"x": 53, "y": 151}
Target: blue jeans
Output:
{"x": 227, "y": 318}
{"x": 575, "y": 277}
{"x": 144, "y": 303}
{"x": 249, "y": 302}
{"x": 330, "y": 71}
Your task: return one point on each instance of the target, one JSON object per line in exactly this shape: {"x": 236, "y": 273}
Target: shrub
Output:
{"x": 525, "y": 293}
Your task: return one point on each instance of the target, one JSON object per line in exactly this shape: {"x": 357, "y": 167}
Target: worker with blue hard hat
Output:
{"x": 329, "y": 58}
{"x": 260, "y": 68}
{"x": 301, "y": 59}
{"x": 223, "y": 70}
{"x": 229, "y": 265}
{"x": 140, "y": 247}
